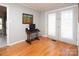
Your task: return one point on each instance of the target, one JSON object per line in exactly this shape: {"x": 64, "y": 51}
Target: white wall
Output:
{"x": 42, "y": 23}
{"x": 15, "y": 28}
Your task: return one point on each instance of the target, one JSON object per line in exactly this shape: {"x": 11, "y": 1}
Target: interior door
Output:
{"x": 52, "y": 25}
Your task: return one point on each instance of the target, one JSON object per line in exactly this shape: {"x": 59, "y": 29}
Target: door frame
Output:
{"x": 7, "y": 23}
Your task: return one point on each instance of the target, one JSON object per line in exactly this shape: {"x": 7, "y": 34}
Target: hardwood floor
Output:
{"x": 42, "y": 47}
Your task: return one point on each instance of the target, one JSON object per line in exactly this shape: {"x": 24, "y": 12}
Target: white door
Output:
{"x": 67, "y": 26}
{"x": 52, "y": 25}
{"x": 62, "y": 26}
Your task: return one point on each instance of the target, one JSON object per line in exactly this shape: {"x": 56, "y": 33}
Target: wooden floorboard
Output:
{"x": 42, "y": 47}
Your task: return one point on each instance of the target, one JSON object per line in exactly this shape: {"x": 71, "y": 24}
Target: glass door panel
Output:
{"x": 67, "y": 24}
{"x": 52, "y": 24}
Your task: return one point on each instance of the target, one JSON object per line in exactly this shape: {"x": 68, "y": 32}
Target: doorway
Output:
{"x": 62, "y": 25}
{"x": 3, "y": 19}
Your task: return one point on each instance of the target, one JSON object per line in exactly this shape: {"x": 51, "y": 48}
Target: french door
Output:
{"x": 62, "y": 27}
{"x": 52, "y": 25}
{"x": 67, "y": 26}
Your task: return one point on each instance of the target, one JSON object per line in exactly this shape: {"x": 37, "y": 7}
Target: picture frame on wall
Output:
{"x": 27, "y": 18}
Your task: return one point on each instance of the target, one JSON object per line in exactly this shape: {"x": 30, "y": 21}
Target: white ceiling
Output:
{"x": 46, "y": 6}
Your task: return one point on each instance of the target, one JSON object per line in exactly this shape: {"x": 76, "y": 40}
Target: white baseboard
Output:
{"x": 10, "y": 44}
{"x": 3, "y": 46}
{"x": 21, "y": 41}
{"x": 44, "y": 35}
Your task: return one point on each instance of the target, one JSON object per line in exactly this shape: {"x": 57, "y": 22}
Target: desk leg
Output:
{"x": 37, "y": 36}
{"x": 28, "y": 39}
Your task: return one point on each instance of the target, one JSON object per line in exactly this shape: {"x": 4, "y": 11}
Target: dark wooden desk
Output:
{"x": 29, "y": 32}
